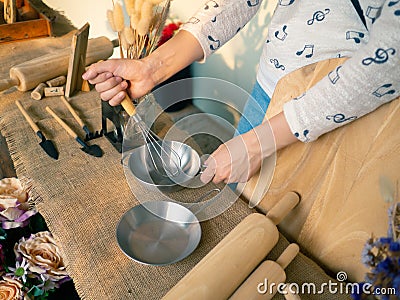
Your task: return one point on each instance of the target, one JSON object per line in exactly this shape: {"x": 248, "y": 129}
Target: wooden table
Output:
{"x": 6, "y": 164}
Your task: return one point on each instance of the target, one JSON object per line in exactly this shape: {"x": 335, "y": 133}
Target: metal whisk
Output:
{"x": 161, "y": 154}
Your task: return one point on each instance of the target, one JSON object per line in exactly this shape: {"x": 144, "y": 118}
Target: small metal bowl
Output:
{"x": 139, "y": 163}
{"x": 158, "y": 233}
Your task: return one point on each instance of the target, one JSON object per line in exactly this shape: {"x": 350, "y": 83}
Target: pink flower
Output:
{"x": 43, "y": 256}
{"x": 14, "y": 208}
{"x": 11, "y": 289}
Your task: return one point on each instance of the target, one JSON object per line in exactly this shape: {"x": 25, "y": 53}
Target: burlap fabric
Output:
{"x": 82, "y": 198}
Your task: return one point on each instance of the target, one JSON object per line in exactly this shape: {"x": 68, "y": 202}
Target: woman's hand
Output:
{"x": 115, "y": 78}
{"x": 240, "y": 158}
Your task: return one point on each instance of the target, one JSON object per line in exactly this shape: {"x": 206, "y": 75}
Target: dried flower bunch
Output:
{"x": 382, "y": 257}
{"x": 146, "y": 22}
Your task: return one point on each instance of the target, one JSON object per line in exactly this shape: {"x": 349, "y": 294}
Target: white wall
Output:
{"x": 236, "y": 62}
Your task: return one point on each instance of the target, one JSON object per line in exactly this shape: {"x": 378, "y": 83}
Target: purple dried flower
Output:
{"x": 394, "y": 246}
{"x": 366, "y": 255}
{"x": 385, "y": 240}
{"x": 14, "y": 207}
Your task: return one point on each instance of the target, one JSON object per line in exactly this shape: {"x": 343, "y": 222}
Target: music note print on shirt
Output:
{"x": 299, "y": 97}
{"x": 253, "y": 3}
{"x": 383, "y": 90}
{"x": 355, "y": 35}
{"x": 334, "y": 75}
{"x": 281, "y": 36}
{"x": 308, "y": 51}
{"x": 193, "y": 20}
{"x": 305, "y": 135}
{"x": 373, "y": 13}
{"x": 391, "y": 3}
{"x": 210, "y": 4}
{"x": 276, "y": 63}
{"x": 318, "y": 16}
{"x": 340, "y": 118}
{"x": 286, "y": 2}
{"x": 381, "y": 56}
{"x": 215, "y": 43}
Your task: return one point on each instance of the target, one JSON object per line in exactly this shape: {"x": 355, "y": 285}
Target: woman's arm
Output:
{"x": 370, "y": 78}
{"x": 213, "y": 25}
{"x": 138, "y": 77}
{"x": 240, "y": 158}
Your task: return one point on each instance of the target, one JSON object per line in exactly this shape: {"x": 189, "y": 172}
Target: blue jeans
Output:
{"x": 253, "y": 114}
{"x": 254, "y": 110}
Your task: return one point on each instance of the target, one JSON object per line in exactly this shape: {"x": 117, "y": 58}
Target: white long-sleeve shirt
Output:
{"x": 302, "y": 32}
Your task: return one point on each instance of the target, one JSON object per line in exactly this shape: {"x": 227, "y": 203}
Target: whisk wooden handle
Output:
{"x": 61, "y": 122}
{"x": 72, "y": 111}
{"x": 128, "y": 105}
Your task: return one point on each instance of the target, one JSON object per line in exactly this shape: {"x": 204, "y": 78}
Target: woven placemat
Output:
{"x": 82, "y": 199}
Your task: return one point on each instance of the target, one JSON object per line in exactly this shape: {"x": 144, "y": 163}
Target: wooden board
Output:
{"x": 337, "y": 177}
{"x": 77, "y": 60}
{"x": 24, "y": 30}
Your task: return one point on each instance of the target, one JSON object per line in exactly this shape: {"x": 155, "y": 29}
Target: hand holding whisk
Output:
{"x": 165, "y": 160}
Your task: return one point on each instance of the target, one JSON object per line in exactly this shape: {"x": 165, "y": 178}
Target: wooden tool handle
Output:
{"x": 128, "y": 105}
{"x": 283, "y": 207}
{"x": 288, "y": 255}
{"x": 61, "y": 122}
{"x": 7, "y": 83}
{"x": 27, "y": 117}
{"x": 72, "y": 111}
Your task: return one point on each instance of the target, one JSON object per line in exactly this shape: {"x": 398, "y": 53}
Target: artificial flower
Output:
{"x": 14, "y": 208}
{"x": 43, "y": 255}
{"x": 20, "y": 271}
{"x": 11, "y": 289}
{"x": 2, "y": 260}
{"x": 169, "y": 31}
{"x": 12, "y": 188}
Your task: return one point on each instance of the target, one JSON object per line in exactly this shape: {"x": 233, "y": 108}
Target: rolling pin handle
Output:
{"x": 283, "y": 207}
{"x": 289, "y": 295}
{"x": 288, "y": 255}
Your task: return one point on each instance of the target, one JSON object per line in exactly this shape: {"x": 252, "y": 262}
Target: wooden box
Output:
{"x": 28, "y": 24}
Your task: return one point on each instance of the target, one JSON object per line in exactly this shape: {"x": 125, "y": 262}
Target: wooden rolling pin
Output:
{"x": 229, "y": 263}
{"x": 263, "y": 282}
{"x": 28, "y": 75}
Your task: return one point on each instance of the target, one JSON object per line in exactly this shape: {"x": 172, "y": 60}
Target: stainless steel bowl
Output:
{"x": 158, "y": 233}
{"x": 139, "y": 163}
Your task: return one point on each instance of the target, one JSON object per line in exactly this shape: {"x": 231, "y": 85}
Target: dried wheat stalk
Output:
{"x": 146, "y": 21}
